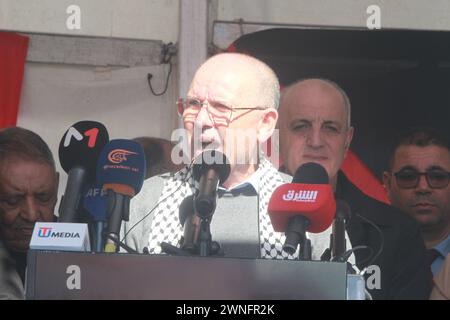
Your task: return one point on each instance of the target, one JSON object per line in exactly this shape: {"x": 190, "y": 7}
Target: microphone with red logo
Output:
{"x": 79, "y": 150}
{"x": 306, "y": 204}
{"x": 120, "y": 171}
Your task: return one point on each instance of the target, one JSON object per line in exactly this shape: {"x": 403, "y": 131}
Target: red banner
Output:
{"x": 13, "y": 52}
{"x": 363, "y": 178}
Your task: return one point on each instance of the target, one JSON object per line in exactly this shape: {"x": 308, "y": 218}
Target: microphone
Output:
{"x": 120, "y": 171}
{"x": 210, "y": 169}
{"x": 338, "y": 244}
{"x": 306, "y": 204}
{"x": 79, "y": 150}
{"x": 191, "y": 224}
{"x": 95, "y": 201}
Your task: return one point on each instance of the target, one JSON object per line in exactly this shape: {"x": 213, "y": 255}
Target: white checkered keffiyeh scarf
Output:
{"x": 166, "y": 226}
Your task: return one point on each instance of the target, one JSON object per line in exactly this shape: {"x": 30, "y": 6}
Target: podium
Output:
{"x": 76, "y": 275}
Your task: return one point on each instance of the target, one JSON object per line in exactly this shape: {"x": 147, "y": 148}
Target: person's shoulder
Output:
{"x": 286, "y": 177}
{"x": 393, "y": 216}
{"x": 404, "y": 227}
{"x": 441, "y": 281}
{"x": 149, "y": 193}
{"x": 381, "y": 213}
{"x": 11, "y": 287}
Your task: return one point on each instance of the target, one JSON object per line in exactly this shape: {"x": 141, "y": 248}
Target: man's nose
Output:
{"x": 314, "y": 138}
{"x": 30, "y": 211}
{"x": 422, "y": 185}
{"x": 204, "y": 119}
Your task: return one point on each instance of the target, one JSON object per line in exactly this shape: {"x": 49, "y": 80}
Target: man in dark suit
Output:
{"x": 315, "y": 127}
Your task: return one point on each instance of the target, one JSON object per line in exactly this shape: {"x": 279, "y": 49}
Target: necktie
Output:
{"x": 432, "y": 254}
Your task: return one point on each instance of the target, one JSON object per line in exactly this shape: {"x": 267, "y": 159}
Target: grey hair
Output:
{"x": 344, "y": 95}
{"x": 25, "y": 144}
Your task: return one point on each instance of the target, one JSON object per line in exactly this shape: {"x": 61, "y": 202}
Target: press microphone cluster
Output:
{"x": 305, "y": 205}
{"x": 103, "y": 176}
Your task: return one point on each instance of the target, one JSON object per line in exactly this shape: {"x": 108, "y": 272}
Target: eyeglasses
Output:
{"x": 220, "y": 113}
{"x": 409, "y": 179}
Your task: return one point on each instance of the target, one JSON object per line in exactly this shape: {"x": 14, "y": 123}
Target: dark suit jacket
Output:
{"x": 405, "y": 273}
{"x": 11, "y": 286}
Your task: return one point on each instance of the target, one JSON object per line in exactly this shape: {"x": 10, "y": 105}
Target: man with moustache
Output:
{"x": 315, "y": 127}
{"x": 418, "y": 183}
{"x": 28, "y": 194}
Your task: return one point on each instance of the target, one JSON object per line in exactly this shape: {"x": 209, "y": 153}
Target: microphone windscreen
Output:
{"x": 311, "y": 173}
{"x": 309, "y": 195}
{"x": 186, "y": 209}
{"x": 121, "y": 167}
{"x": 81, "y": 145}
{"x": 95, "y": 202}
{"x": 211, "y": 159}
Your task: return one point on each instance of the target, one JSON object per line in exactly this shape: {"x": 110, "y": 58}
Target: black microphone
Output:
{"x": 210, "y": 169}
{"x": 191, "y": 224}
{"x": 338, "y": 243}
{"x": 79, "y": 150}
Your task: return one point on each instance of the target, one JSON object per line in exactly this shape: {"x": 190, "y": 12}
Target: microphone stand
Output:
{"x": 118, "y": 210}
{"x": 204, "y": 248}
{"x": 338, "y": 243}
{"x": 338, "y": 247}
{"x": 296, "y": 235}
{"x": 99, "y": 227}
{"x": 207, "y": 247}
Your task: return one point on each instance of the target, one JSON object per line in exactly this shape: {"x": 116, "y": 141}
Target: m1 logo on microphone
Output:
{"x": 74, "y": 133}
{"x": 119, "y": 155}
{"x": 301, "y": 196}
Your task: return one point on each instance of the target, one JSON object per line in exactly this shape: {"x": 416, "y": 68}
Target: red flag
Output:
{"x": 363, "y": 178}
{"x": 13, "y": 52}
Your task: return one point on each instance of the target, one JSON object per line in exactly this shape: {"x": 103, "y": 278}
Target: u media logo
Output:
{"x": 119, "y": 155}
{"x": 44, "y": 232}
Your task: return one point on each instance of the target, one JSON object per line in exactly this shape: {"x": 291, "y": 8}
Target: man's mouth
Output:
{"x": 423, "y": 205}
{"x": 313, "y": 157}
{"x": 27, "y": 231}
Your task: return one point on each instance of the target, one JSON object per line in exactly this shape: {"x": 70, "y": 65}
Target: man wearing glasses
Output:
{"x": 231, "y": 106}
{"x": 315, "y": 127}
{"x": 418, "y": 184}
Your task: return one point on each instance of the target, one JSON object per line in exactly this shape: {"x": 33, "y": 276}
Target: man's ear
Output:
{"x": 267, "y": 124}
{"x": 387, "y": 180}
{"x": 349, "y": 138}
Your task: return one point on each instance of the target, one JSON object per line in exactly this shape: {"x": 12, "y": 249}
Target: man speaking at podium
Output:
{"x": 28, "y": 194}
{"x": 231, "y": 107}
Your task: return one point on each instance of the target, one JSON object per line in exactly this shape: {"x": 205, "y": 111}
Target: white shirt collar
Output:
{"x": 253, "y": 180}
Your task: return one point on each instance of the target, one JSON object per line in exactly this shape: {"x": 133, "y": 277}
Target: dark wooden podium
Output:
{"x": 75, "y": 275}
